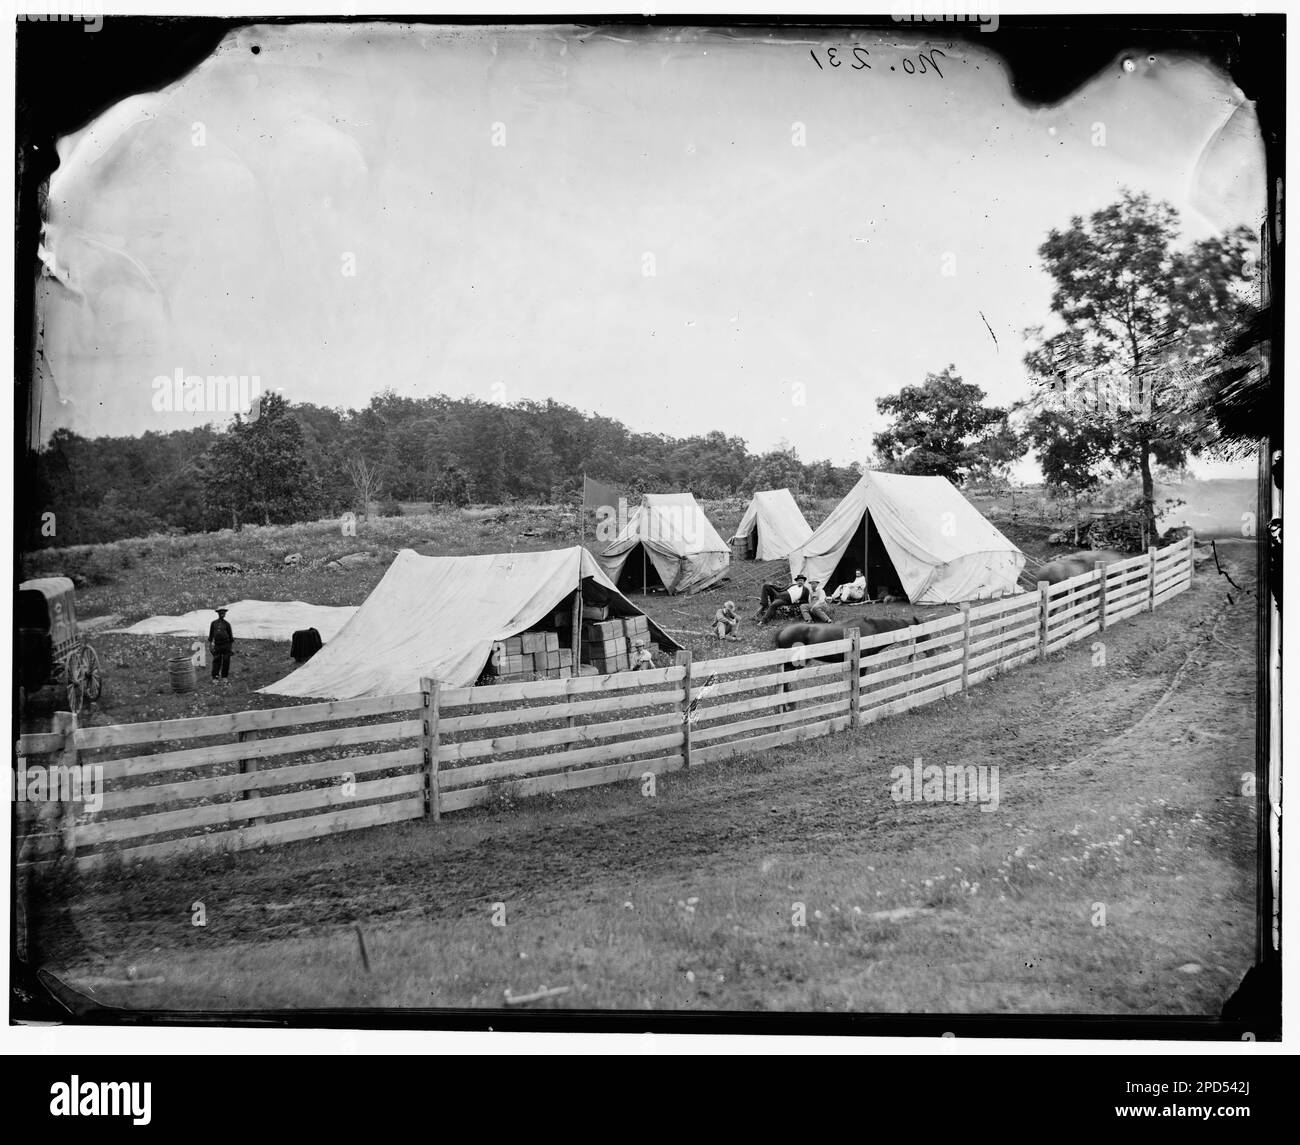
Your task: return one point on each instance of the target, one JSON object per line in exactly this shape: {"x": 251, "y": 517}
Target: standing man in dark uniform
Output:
{"x": 221, "y": 639}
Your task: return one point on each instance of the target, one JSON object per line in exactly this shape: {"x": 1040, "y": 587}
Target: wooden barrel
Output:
{"x": 181, "y": 670}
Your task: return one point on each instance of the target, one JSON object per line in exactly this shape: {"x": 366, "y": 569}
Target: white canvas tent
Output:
{"x": 773, "y": 525}
{"x": 917, "y": 535}
{"x": 667, "y": 541}
{"x": 440, "y": 616}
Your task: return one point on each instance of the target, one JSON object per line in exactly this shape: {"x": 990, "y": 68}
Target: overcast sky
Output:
{"x": 502, "y": 196}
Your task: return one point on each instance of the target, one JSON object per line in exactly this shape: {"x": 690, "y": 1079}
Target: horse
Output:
{"x": 798, "y": 635}
{"x": 1075, "y": 564}
{"x": 795, "y": 635}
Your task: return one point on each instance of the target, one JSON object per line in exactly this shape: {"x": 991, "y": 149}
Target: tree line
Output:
{"x": 294, "y": 461}
{"x": 1157, "y": 353}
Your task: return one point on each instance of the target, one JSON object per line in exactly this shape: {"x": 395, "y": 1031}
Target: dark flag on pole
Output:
{"x": 596, "y": 494}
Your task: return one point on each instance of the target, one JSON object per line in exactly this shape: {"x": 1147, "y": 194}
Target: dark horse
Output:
{"x": 1075, "y": 564}
{"x": 797, "y": 635}
{"x": 794, "y": 635}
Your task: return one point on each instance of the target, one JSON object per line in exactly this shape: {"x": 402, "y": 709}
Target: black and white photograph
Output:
{"x": 724, "y": 523}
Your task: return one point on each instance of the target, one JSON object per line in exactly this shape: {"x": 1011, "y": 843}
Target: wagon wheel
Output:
{"x": 81, "y": 673}
{"x": 94, "y": 678}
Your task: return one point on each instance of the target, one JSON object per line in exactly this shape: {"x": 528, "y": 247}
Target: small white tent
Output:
{"x": 679, "y": 549}
{"x": 440, "y": 616}
{"x": 773, "y": 526}
{"x": 917, "y": 535}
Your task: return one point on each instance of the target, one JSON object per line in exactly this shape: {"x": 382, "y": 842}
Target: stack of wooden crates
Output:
{"x": 535, "y": 654}
{"x": 610, "y": 645}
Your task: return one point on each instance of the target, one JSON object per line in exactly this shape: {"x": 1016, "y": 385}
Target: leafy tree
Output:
{"x": 1137, "y": 317}
{"x": 779, "y": 469}
{"x": 453, "y": 486}
{"x": 942, "y": 428}
{"x": 1071, "y": 453}
{"x": 259, "y": 469}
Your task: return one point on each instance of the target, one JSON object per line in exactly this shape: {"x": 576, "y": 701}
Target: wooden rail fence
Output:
{"x": 251, "y": 779}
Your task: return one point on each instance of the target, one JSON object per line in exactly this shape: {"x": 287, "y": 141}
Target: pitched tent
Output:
{"x": 773, "y": 526}
{"x": 669, "y": 543}
{"x": 917, "y": 536}
{"x": 440, "y": 616}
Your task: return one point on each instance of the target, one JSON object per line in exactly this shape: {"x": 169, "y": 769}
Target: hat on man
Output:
{"x": 222, "y": 611}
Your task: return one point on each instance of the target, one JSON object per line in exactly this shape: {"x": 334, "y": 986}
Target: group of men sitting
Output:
{"x": 804, "y": 595}
{"x": 809, "y": 598}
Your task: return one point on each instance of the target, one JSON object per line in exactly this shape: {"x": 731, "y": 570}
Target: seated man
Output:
{"x": 851, "y": 590}
{"x": 791, "y": 597}
{"x": 726, "y": 622}
{"x": 814, "y": 607}
{"x": 643, "y": 658}
{"x": 773, "y": 592}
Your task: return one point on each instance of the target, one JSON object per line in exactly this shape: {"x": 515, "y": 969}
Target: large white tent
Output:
{"x": 440, "y": 616}
{"x": 773, "y": 525}
{"x": 914, "y": 534}
{"x": 667, "y": 540}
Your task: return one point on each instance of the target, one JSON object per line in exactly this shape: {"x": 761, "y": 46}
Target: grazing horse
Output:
{"x": 1075, "y": 564}
{"x": 797, "y": 635}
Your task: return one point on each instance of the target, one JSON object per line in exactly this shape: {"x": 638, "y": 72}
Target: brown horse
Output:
{"x": 795, "y": 635}
{"x": 798, "y": 635}
{"x": 1076, "y": 564}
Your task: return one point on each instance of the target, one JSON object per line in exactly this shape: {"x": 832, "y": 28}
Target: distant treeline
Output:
{"x": 296, "y": 462}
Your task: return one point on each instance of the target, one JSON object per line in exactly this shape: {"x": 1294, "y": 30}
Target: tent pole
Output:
{"x": 643, "y": 572}
{"x": 866, "y": 550}
{"x": 576, "y": 632}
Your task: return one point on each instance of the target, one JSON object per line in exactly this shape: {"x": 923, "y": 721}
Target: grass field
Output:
{"x": 1120, "y": 804}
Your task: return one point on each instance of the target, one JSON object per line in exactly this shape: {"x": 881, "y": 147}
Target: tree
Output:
{"x": 1070, "y": 453}
{"x": 942, "y": 428}
{"x": 453, "y": 486}
{"x": 366, "y": 482}
{"x": 1137, "y": 316}
{"x": 779, "y": 469}
{"x": 259, "y": 467}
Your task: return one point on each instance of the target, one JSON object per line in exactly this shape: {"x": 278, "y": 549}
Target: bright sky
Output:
{"x": 501, "y": 197}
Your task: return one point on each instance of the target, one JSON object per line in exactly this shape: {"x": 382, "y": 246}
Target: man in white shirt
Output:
{"x": 774, "y": 598}
{"x": 851, "y": 590}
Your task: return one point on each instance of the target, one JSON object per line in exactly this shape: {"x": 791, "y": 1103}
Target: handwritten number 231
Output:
{"x": 833, "y": 58}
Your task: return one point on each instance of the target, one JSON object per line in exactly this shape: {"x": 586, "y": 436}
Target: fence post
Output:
{"x": 1100, "y": 570}
{"x": 1151, "y": 579}
{"x": 684, "y": 658}
{"x": 1044, "y": 611}
{"x": 247, "y": 766}
{"x": 65, "y": 724}
{"x": 432, "y": 793}
{"x": 855, "y": 675}
{"x": 965, "y": 644}
{"x": 1191, "y": 556}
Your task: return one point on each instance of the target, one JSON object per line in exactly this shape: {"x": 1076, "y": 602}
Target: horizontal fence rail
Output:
{"x": 276, "y": 775}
